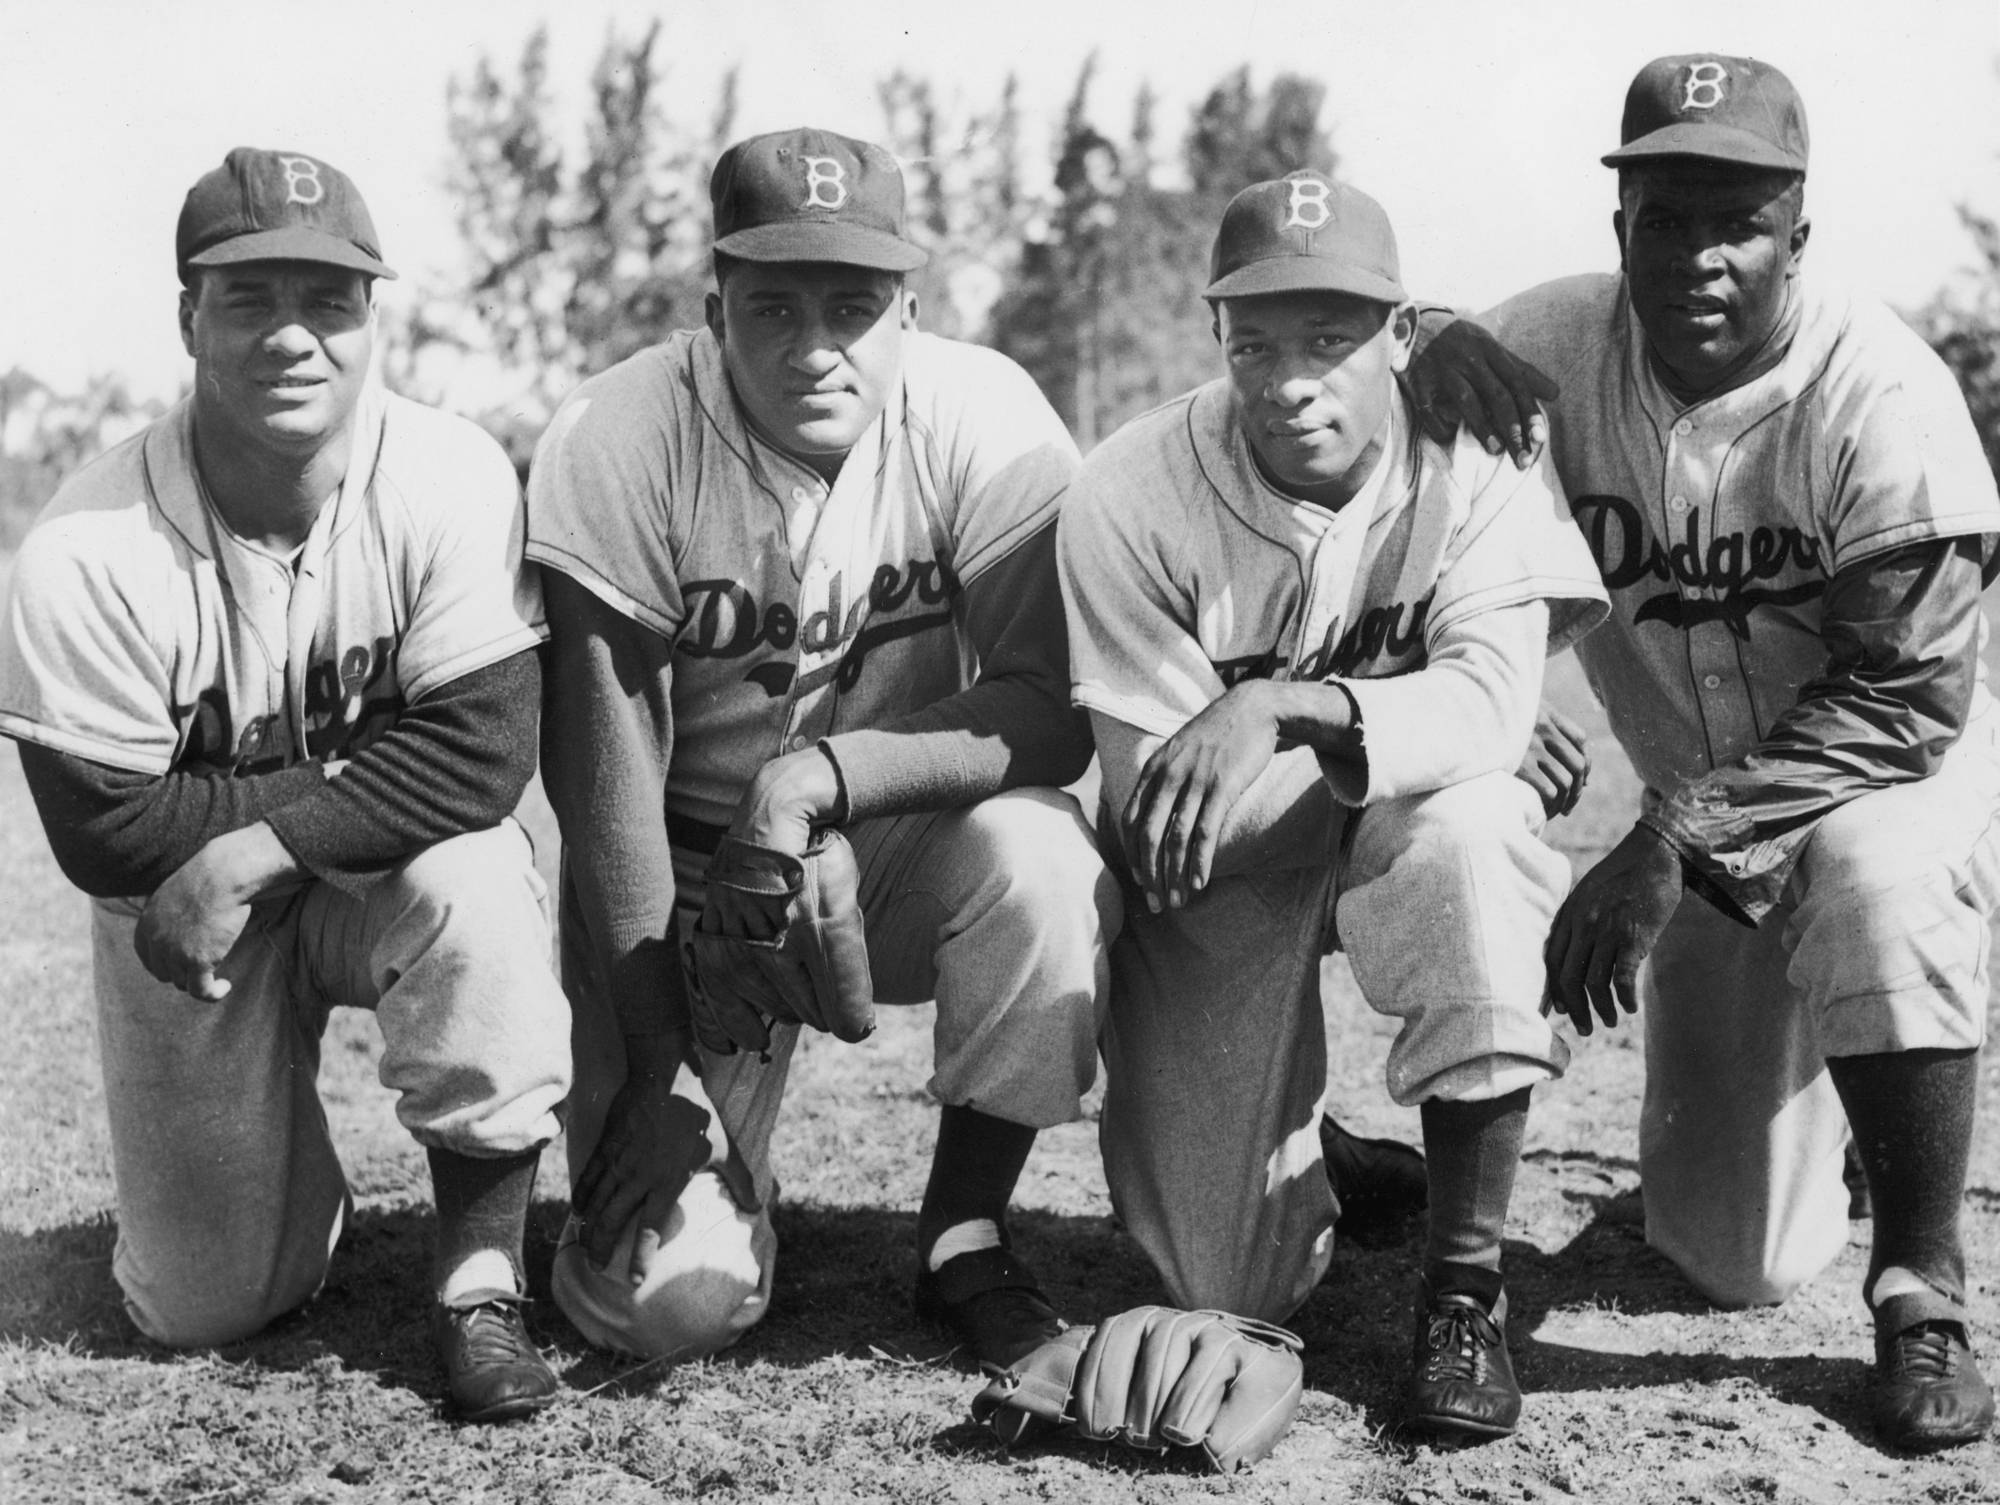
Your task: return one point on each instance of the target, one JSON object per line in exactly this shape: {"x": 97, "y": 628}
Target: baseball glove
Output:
{"x": 780, "y": 939}
{"x": 1154, "y": 1378}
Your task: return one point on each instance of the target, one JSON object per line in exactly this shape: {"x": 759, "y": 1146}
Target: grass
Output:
{"x": 1639, "y": 1393}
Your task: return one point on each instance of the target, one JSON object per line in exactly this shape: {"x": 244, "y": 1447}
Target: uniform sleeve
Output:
{"x": 607, "y": 739}
{"x": 1133, "y": 652}
{"x": 476, "y": 601}
{"x": 1468, "y": 711}
{"x": 79, "y": 671}
{"x": 599, "y": 493}
{"x": 1902, "y": 634}
{"x": 1011, "y": 728}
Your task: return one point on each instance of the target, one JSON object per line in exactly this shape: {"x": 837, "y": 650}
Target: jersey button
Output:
{"x": 1677, "y": 503}
{"x": 801, "y": 743}
{"x": 1712, "y": 681}
{"x": 1683, "y": 427}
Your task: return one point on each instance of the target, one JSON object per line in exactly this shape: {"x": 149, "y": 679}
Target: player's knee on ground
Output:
{"x": 709, "y": 1284}
{"x": 225, "y": 1305}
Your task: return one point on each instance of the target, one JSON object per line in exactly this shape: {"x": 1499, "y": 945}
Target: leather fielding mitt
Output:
{"x": 1154, "y": 1378}
{"x": 780, "y": 939}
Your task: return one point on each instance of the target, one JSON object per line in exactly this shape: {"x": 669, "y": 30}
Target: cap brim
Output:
{"x": 1304, "y": 274}
{"x": 293, "y": 243}
{"x": 1711, "y": 143}
{"x": 807, "y": 240}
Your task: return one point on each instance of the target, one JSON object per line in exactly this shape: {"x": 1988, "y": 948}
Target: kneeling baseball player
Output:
{"x": 290, "y": 575}
{"x": 800, "y": 567}
{"x": 1311, "y": 646}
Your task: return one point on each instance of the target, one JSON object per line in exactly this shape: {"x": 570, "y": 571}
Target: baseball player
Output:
{"x": 1311, "y": 646}
{"x": 1794, "y": 520}
{"x": 800, "y": 573}
{"x": 294, "y": 575}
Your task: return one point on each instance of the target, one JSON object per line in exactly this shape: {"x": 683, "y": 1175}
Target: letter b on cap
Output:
{"x": 826, "y": 183}
{"x": 1308, "y": 208}
{"x": 302, "y": 183}
{"x": 1702, "y": 88}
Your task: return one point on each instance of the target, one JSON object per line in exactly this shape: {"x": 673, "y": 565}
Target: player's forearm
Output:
{"x": 1014, "y": 727}
{"x": 455, "y": 762}
{"x": 1902, "y": 634}
{"x": 1468, "y": 711}
{"x": 607, "y": 739}
{"x": 119, "y": 834}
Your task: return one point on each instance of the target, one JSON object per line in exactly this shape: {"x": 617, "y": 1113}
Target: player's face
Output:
{"x": 1313, "y": 375}
{"x": 1710, "y": 253}
{"x": 813, "y": 349}
{"x": 281, "y": 349}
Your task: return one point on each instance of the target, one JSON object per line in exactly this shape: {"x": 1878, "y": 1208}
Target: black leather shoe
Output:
{"x": 1928, "y": 1392}
{"x": 491, "y": 1367}
{"x": 992, "y": 1301}
{"x": 1376, "y": 1181}
{"x": 1462, "y": 1377}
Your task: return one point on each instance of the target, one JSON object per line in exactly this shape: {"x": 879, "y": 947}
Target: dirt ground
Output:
{"x": 1637, "y": 1391}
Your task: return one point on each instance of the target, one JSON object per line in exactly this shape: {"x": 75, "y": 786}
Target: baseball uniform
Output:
{"x": 784, "y": 612}
{"x": 1433, "y": 597}
{"x": 142, "y": 637}
{"x": 1717, "y": 526}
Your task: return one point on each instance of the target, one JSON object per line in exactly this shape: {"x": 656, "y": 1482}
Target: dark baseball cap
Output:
{"x": 276, "y": 206}
{"x": 1304, "y": 232}
{"x": 808, "y": 195}
{"x": 1723, "y": 109}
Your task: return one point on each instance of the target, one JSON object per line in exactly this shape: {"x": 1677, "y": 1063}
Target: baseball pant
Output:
{"x": 1879, "y": 944}
{"x": 1215, "y": 1051}
{"x": 999, "y": 911}
{"x": 230, "y": 1195}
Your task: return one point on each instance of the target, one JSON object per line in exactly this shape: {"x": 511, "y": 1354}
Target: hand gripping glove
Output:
{"x": 1154, "y": 1378}
{"x": 780, "y": 938}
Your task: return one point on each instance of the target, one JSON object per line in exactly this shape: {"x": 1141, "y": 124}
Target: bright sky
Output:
{"x": 1478, "y": 123}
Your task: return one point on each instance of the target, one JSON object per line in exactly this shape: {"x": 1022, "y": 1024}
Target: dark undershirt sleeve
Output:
{"x": 120, "y": 834}
{"x": 1014, "y": 727}
{"x": 1902, "y": 635}
{"x": 455, "y": 762}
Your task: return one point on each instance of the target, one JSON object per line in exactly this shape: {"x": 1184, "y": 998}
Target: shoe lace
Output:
{"x": 1456, "y": 1342}
{"x": 1926, "y": 1351}
{"x": 493, "y": 1332}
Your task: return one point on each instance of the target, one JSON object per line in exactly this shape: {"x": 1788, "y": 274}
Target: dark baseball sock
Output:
{"x": 1911, "y": 1113}
{"x": 482, "y": 1203}
{"x": 973, "y": 1171}
{"x": 1472, "y": 1150}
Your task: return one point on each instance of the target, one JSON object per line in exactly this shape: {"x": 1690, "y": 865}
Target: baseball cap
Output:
{"x": 1726, "y": 109}
{"x": 810, "y": 195}
{"x": 1304, "y": 232}
{"x": 276, "y": 206}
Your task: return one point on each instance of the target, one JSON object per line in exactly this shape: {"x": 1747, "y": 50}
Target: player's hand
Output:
{"x": 192, "y": 922}
{"x": 1466, "y": 376}
{"x": 778, "y": 811}
{"x": 653, "y": 1141}
{"x": 1173, "y": 819}
{"x": 1609, "y": 925}
{"x": 1558, "y": 762}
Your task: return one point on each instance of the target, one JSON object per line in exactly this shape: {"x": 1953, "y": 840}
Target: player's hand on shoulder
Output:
{"x": 1608, "y": 925}
{"x": 652, "y": 1142}
{"x": 1557, "y": 765}
{"x": 1464, "y": 376}
{"x": 1173, "y": 820}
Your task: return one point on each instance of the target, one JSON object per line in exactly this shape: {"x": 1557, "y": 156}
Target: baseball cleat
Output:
{"x": 991, "y": 1300}
{"x": 1462, "y": 1377}
{"x": 1375, "y": 1181}
{"x": 492, "y": 1368}
{"x": 1928, "y": 1391}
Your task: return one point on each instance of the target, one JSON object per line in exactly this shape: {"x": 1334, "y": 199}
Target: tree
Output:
{"x": 1962, "y": 324}
{"x": 567, "y": 270}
